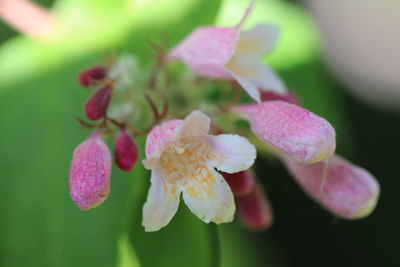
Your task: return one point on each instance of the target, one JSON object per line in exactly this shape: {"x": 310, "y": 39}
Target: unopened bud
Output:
{"x": 89, "y": 179}
{"x": 96, "y": 106}
{"x": 299, "y": 133}
{"x": 254, "y": 209}
{"x": 126, "y": 151}
{"x": 241, "y": 183}
{"x": 341, "y": 187}
{"x": 88, "y": 76}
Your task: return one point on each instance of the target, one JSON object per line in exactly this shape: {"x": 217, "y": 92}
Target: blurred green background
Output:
{"x": 40, "y": 98}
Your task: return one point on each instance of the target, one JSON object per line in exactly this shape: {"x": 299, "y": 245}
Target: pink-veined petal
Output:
{"x": 341, "y": 187}
{"x": 162, "y": 203}
{"x": 160, "y": 136}
{"x": 234, "y": 153}
{"x": 195, "y": 124}
{"x": 257, "y": 41}
{"x": 254, "y": 209}
{"x": 209, "y": 197}
{"x": 207, "y": 49}
{"x": 298, "y": 132}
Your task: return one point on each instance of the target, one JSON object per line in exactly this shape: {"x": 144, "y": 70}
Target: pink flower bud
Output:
{"x": 254, "y": 209}
{"x": 126, "y": 151}
{"x": 299, "y": 133}
{"x": 96, "y": 106}
{"x": 241, "y": 183}
{"x": 344, "y": 189}
{"x": 88, "y": 76}
{"x": 89, "y": 179}
{"x": 289, "y": 97}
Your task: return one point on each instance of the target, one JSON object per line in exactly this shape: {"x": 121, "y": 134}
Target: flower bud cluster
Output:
{"x": 211, "y": 171}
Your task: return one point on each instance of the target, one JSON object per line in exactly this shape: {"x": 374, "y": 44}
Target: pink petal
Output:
{"x": 126, "y": 151}
{"x": 300, "y": 133}
{"x": 206, "y": 50}
{"x": 254, "y": 209}
{"x": 89, "y": 180}
{"x": 346, "y": 190}
{"x": 195, "y": 124}
{"x": 241, "y": 183}
{"x": 160, "y": 136}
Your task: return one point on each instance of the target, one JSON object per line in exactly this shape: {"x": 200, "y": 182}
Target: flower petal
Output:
{"x": 254, "y": 76}
{"x": 207, "y": 49}
{"x": 249, "y": 86}
{"x": 160, "y": 136}
{"x": 161, "y": 205}
{"x": 257, "y": 41}
{"x": 209, "y": 197}
{"x": 346, "y": 190}
{"x": 234, "y": 153}
{"x": 270, "y": 81}
{"x": 254, "y": 209}
{"x": 195, "y": 124}
{"x": 298, "y": 132}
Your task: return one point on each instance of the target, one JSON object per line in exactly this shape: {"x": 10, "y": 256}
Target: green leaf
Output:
{"x": 40, "y": 225}
{"x": 183, "y": 242}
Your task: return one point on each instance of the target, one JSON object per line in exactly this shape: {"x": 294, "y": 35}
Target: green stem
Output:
{"x": 215, "y": 246}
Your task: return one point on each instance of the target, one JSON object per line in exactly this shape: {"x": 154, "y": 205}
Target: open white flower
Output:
{"x": 183, "y": 158}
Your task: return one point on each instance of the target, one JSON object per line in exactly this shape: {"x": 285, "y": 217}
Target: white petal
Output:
{"x": 249, "y": 86}
{"x": 257, "y": 41}
{"x": 234, "y": 153}
{"x": 195, "y": 124}
{"x": 270, "y": 81}
{"x": 209, "y": 197}
{"x": 254, "y": 76}
{"x": 162, "y": 203}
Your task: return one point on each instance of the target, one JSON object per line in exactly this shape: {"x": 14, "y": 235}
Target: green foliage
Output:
{"x": 41, "y": 226}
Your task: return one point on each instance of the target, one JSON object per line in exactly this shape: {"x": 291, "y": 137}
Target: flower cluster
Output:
{"x": 195, "y": 153}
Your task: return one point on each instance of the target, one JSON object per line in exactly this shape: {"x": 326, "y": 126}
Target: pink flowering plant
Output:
{"x": 198, "y": 143}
